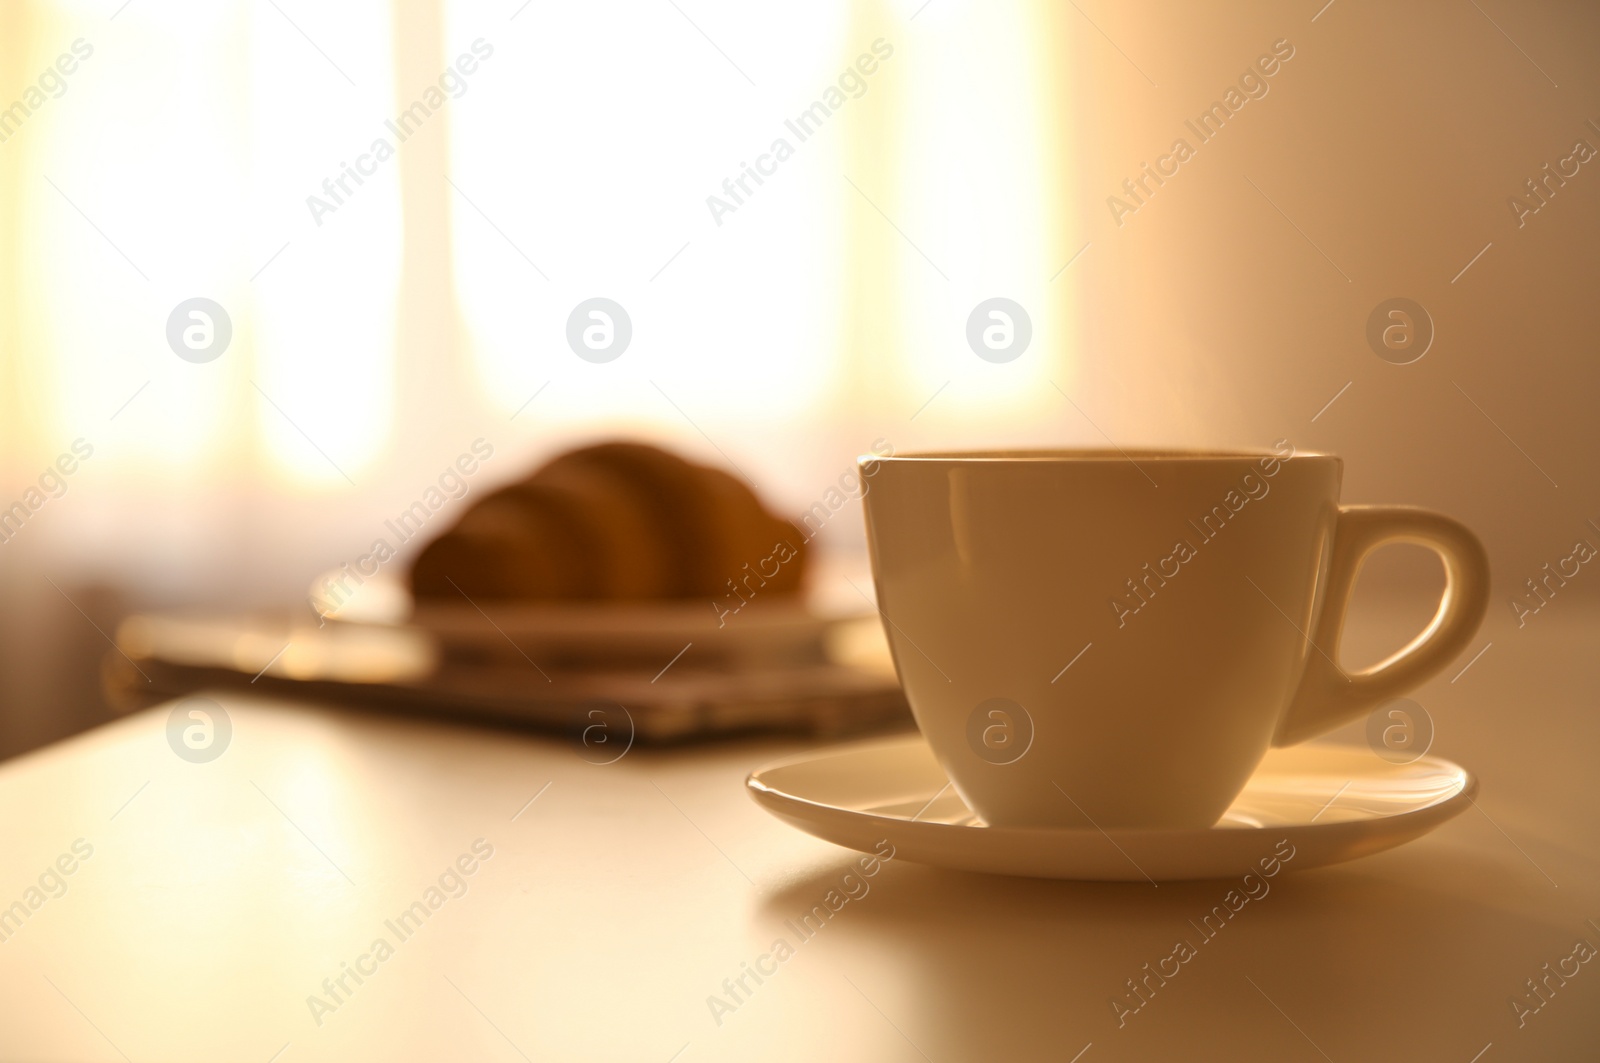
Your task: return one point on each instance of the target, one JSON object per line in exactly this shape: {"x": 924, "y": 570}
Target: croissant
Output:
{"x": 615, "y": 521}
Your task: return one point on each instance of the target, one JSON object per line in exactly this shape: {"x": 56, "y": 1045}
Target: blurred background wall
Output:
{"x": 939, "y": 154}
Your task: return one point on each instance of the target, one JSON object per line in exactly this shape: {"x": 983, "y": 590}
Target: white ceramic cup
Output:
{"x": 1105, "y": 640}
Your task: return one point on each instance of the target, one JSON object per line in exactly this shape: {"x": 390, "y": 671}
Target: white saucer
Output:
{"x": 1330, "y": 803}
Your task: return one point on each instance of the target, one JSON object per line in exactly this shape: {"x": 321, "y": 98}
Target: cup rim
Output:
{"x": 1087, "y": 455}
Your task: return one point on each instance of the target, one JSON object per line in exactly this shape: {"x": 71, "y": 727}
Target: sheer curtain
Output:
{"x": 399, "y": 208}
{"x": 176, "y": 165}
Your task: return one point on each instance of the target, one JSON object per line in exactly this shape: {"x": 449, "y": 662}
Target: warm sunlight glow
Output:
{"x": 733, "y": 313}
{"x": 134, "y": 214}
{"x": 975, "y": 141}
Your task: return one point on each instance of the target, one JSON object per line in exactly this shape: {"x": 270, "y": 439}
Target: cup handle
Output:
{"x": 1328, "y": 695}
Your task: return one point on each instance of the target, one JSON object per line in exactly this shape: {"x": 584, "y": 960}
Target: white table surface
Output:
{"x": 219, "y": 896}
